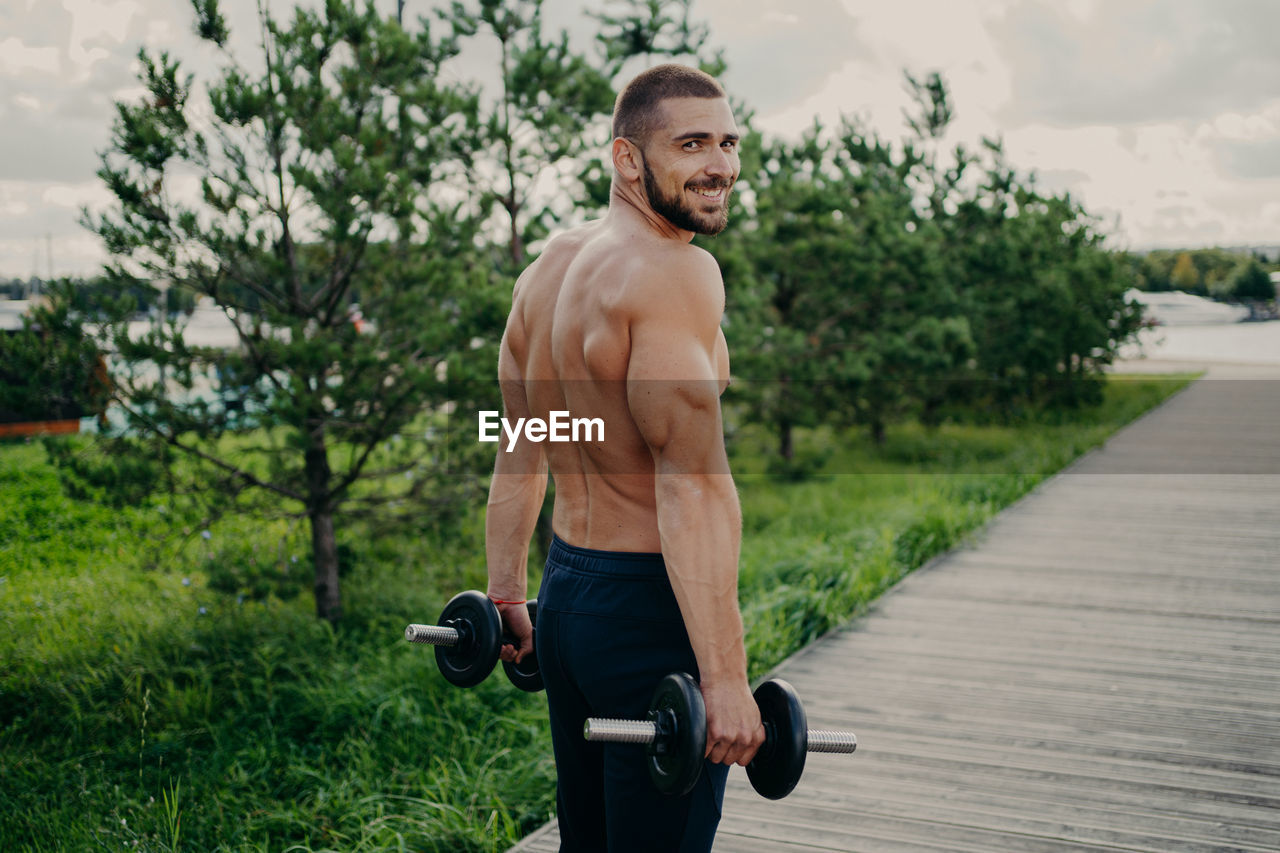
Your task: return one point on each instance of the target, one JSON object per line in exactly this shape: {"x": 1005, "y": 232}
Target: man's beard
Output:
{"x": 676, "y": 211}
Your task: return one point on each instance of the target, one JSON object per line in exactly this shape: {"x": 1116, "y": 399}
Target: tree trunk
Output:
{"x": 515, "y": 246}
{"x": 324, "y": 551}
{"x": 877, "y": 430}
{"x": 324, "y": 545}
{"x": 785, "y": 447}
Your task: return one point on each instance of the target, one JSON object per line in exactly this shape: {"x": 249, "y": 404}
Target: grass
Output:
{"x": 142, "y": 709}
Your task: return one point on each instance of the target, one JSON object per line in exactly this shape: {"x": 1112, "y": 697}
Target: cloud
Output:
{"x": 1132, "y": 105}
{"x": 1244, "y": 146}
{"x": 1060, "y": 180}
{"x": 1131, "y": 62}
{"x": 1249, "y": 204}
{"x": 12, "y": 202}
{"x": 38, "y": 218}
{"x": 57, "y": 84}
{"x": 41, "y": 148}
{"x": 1181, "y": 226}
{"x": 1252, "y": 159}
{"x": 17, "y": 59}
{"x": 40, "y": 25}
{"x": 53, "y": 130}
{"x": 60, "y": 73}
{"x": 1232, "y": 213}
{"x": 867, "y": 79}
{"x": 781, "y": 51}
{"x": 97, "y": 26}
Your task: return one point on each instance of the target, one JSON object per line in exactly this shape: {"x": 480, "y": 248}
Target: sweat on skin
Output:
{"x": 559, "y": 427}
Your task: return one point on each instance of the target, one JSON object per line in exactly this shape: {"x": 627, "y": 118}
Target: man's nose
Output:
{"x": 721, "y": 164}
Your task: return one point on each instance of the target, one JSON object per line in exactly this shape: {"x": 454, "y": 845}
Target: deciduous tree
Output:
{"x": 1185, "y": 276}
{"x": 1252, "y": 282}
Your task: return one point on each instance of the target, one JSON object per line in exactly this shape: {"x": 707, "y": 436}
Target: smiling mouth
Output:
{"x": 710, "y": 193}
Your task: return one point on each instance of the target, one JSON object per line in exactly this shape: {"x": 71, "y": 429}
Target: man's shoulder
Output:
{"x": 678, "y": 281}
{"x": 681, "y": 272}
{"x": 704, "y": 262}
{"x": 555, "y": 256}
{"x": 680, "y": 266}
{"x": 571, "y": 241}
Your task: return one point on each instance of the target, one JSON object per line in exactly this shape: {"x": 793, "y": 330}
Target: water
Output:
{"x": 1234, "y": 343}
{"x": 1207, "y": 344}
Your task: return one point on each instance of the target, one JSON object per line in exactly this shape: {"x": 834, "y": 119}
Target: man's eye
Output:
{"x": 691, "y": 145}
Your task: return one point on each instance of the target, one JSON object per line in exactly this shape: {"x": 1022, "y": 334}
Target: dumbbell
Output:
{"x": 468, "y": 639}
{"x": 675, "y": 734}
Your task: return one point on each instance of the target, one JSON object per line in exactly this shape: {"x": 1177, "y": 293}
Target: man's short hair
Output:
{"x": 636, "y": 112}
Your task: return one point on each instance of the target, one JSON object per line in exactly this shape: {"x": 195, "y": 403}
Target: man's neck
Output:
{"x": 629, "y": 205}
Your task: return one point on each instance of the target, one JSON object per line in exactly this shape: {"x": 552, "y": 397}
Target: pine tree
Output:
{"x": 50, "y": 369}
{"x": 321, "y": 232}
{"x": 537, "y": 123}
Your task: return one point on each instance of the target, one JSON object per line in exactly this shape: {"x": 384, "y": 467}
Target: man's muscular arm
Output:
{"x": 674, "y": 395}
{"x": 516, "y": 492}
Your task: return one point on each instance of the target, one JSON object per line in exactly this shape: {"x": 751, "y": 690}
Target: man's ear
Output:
{"x": 628, "y": 162}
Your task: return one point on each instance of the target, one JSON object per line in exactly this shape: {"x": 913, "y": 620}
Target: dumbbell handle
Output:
{"x": 646, "y": 732}
{"x": 432, "y": 635}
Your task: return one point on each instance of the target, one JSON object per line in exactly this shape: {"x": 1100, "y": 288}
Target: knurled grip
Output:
{"x": 823, "y": 740}
{"x": 431, "y": 635}
{"x": 620, "y": 731}
{"x": 646, "y": 732}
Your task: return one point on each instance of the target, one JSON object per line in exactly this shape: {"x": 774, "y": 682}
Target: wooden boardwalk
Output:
{"x": 1100, "y": 672}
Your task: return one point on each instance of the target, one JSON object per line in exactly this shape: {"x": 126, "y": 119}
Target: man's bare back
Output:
{"x": 568, "y": 340}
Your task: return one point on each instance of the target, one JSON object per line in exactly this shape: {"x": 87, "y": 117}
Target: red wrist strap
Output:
{"x": 500, "y": 601}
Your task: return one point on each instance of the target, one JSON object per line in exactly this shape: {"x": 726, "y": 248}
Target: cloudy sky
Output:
{"x": 1162, "y": 116}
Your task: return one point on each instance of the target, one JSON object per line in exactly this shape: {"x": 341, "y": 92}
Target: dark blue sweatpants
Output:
{"x": 609, "y": 629}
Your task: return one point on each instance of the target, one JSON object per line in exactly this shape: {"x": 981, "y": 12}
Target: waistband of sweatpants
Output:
{"x": 618, "y": 563}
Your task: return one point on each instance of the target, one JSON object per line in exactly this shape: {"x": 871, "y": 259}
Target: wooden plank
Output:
{"x": 1099, "y": 670}
{"x": 1000, "y": 829}
{"x": 1196, "y": 815}
{"x": 544, "y": 840}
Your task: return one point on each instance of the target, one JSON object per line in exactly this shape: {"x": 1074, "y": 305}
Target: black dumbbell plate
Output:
{"x": 470, "y": 662}
{"x": 526, "y": 674}
{"x": 778, "y": 765}
{"x": 676, "y": 761}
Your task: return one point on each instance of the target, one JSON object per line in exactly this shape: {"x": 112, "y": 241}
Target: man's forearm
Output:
{"x": 514, "y": 503}
{"x": 700, "y": 523}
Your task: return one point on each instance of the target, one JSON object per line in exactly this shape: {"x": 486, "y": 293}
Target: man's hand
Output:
{"x": 734, "y": 730}
{"x": 515, "y": 619}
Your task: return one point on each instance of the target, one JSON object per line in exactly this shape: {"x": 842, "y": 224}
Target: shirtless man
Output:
{"x": 619, "y": 320}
